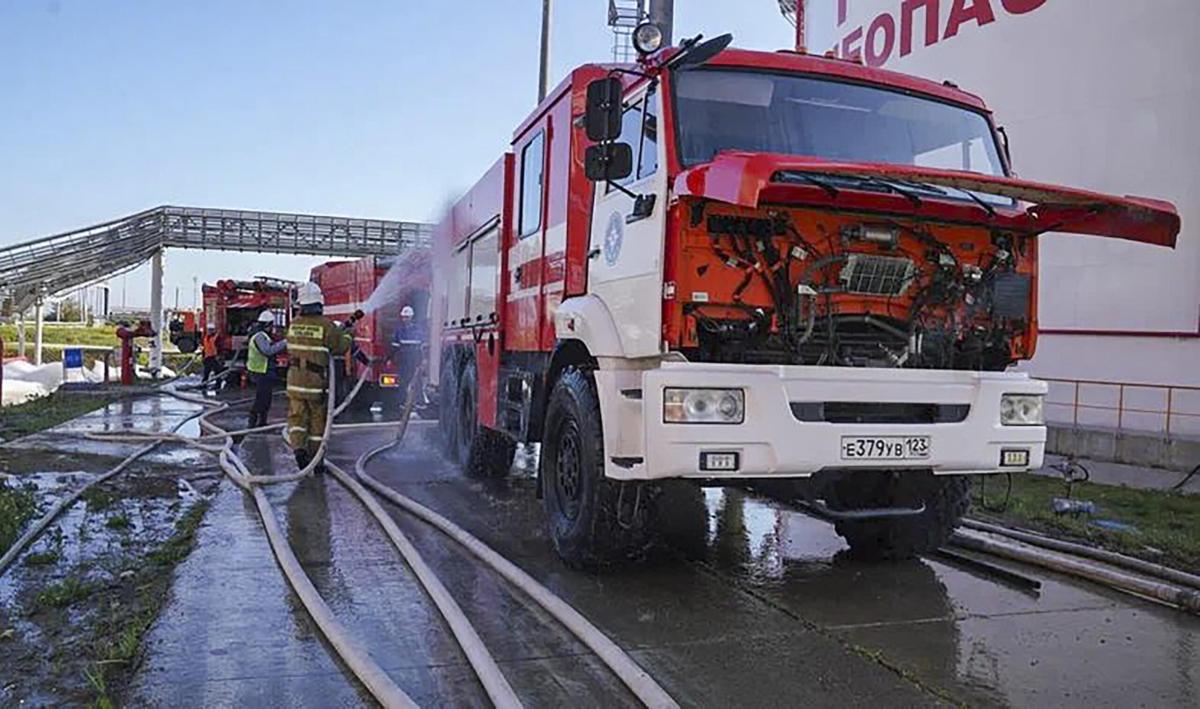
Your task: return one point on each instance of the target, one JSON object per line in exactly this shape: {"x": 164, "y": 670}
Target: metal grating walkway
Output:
{"x": 58, "y": 263}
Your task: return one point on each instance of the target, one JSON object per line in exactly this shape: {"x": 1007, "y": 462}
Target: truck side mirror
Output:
{"x": 608, "y": 161}
{"x": 602, "y": 118}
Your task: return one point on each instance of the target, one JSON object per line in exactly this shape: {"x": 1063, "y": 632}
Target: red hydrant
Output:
{"x": 126, "y": 336}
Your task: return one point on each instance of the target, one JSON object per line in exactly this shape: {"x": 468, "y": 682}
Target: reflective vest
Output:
{"x": 210, "y": 345}
{"x": 256, "y": 359}
{"x": 311, "y": 339}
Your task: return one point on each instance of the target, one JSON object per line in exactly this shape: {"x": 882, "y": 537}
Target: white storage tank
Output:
{"x": 1097, "y": 94}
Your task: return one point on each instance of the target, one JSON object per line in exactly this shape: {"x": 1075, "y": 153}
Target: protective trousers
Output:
{"x": 306, "y": 423}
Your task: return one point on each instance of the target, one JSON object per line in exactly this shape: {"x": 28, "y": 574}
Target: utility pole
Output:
{"x": 544, "y": 62}
{"x": 662, "y": 13}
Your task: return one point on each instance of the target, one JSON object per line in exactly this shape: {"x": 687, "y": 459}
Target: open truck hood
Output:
{"x": 751, "y": 179}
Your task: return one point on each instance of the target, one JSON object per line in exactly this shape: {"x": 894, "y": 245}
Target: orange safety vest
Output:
{"x": 210, "y": 345}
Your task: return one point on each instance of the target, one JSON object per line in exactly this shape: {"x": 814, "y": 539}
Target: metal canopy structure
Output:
{"x": 58, "y": 263}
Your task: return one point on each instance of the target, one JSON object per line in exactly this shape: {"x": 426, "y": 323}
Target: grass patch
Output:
{"x": 98, "y": 498}
{"x": 64, "y": 594}
{"x": 1166, "y": 525}
{"x": 17, "y": 506}
{"x": 48, "y": 411}
{"x": 43, "y": 558}
{"x": 118, "y": 645}
{"x": 118, "y": 522}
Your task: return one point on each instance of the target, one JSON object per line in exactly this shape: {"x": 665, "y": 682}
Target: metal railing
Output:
{"x": 1166, "y": 408}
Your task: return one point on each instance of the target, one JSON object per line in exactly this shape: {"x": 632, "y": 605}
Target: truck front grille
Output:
{"x": 868, "y": 274}
{"x": 878, "y": 412}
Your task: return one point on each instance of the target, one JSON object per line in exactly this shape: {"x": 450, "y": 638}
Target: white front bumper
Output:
{"x": 772, "y": 442}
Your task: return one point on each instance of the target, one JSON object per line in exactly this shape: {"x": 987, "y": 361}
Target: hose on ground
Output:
{"x": 1184, "y": 598}
{"x": 643, "y": 686}
{"x": 1119, "y": 560}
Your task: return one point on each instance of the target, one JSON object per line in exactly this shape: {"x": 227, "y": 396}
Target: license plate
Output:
{"x": 885, "y": 447}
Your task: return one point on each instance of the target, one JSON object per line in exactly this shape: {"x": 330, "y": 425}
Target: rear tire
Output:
{"x": 448, "y": 405}
{"x": 946, "y": 499}
{"x": 186, "y": 344}
{"x": 594, "y": 522}
{"x": 466, "y": 427}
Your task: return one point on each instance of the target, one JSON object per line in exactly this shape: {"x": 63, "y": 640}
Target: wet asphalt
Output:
{"x": 758, "y": 608}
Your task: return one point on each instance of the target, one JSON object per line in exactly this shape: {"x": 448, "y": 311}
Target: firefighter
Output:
{"x": 212, "y": 355}
{"x": 311, "y": 339}
{"x": 406, "y": 343}
{"x": 260, "y": 361}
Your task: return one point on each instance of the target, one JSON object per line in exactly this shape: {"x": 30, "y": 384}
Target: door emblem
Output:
{"x": 614, "y": 234}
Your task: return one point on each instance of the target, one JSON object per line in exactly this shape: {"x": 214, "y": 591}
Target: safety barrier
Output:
{"x": 1160, "y": 408}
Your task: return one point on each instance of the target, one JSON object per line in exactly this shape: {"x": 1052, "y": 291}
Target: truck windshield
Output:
{"x": 799, "y": 115}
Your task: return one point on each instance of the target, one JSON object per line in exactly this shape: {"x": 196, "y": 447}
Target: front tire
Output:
{"x": 946, "y": 499}
{"x": 594, "y": 522}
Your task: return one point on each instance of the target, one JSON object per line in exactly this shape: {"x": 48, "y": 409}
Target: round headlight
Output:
{"x": 647, "y": 38}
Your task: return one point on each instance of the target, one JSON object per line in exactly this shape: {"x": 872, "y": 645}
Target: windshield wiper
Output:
{"x": 939, "y": 190}
{"x": 892, "y": 187}
{"x": 830, "y": 189}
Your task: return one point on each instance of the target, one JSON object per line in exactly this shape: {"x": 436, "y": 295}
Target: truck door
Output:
{"x": 625, "y": 256}
{"x": 525, "y": 256}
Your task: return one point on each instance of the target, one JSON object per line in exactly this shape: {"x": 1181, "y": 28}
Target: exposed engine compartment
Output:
{"x": 819, "y": 287}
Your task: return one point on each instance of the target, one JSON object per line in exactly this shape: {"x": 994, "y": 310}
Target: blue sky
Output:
{"x": 381, "y": 109}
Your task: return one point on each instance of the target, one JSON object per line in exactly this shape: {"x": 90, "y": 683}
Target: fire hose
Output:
{"x": 357, "y": 658}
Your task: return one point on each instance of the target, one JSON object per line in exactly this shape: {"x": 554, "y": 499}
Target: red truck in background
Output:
{"x": 184, "y": 330}
{"x": 234, "y": 306}
{"x": 348, "y": 287}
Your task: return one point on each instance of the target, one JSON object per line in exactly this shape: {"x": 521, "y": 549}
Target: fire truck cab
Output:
{"x": 743, "y": 267}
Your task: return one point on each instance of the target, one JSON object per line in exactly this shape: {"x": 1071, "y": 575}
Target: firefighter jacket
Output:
{"x": 311, "y": 339}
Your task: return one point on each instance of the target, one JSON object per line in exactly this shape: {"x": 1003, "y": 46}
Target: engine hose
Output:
{"x": 643, "y": 686}
{"x": 1120, "y": 560}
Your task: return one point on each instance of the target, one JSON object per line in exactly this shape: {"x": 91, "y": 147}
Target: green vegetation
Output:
{"x": 119, "y": 639}
{"x": 17, "y": 507}
{"x": 118, "y": 522}
{"x": 42, "y": 558}
{"x": 99, "y": 498}
{"x": 48, "y": 411}
{"x": 1165, "y": 526}
{"x": 64, "y": 594}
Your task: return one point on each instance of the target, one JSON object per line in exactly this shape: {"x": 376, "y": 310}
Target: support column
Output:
{"x": 39, "y": 321}
{"x": 544, "y": 56}
{"x": 21, "y": 334}
{"x": 156, "y": 312}
{"x": 662, "y": 13}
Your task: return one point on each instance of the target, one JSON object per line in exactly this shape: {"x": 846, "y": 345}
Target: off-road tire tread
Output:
{"x": 596, "y": 541}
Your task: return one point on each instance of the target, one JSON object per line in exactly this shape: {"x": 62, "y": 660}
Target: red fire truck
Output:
{"x": 348, "y": 287}
{"x": 741, "y": 267}
{"x": 234, "y": 306}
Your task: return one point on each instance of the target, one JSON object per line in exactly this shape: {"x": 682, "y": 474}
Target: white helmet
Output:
{"x": 406, "y": 311}
{"x": 310, "y": 294}
{"x": 267, "y": 317}
{"x": 211, "y": 327}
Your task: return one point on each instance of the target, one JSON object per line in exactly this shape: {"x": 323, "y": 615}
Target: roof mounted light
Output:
{"x": 647, "y": 38}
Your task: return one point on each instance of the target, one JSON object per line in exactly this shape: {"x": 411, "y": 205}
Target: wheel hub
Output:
{"x": 568, "y": 470}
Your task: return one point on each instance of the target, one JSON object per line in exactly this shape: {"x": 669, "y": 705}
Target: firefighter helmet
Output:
{"x": 266, "y": 317}
{"x": 406, "y": 311}
{"x": 310, "y": 294}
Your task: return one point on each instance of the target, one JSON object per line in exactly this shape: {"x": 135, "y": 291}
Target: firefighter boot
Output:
{"x": 303, "y": 458}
